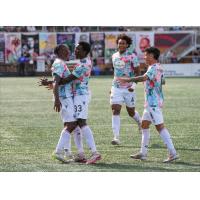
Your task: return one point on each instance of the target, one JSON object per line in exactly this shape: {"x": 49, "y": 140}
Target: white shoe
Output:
{"x": 94, "y": 158}
{"x": 139, "y": 156}
{"x": 171, "y": 158}
{"x": 115, "y": 142}
{"x": 60, "y": 156}
{"x": 68, "y": 156}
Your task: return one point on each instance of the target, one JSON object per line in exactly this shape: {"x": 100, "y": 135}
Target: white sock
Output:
{"x": 116, "y": 126}
{"x": 164, "y": 134}
{"x": 64, "y": 142}
{"x": 88, "y": 135}
{"x": 145, "y": 141}
{"x": 78, "y": 139}
{"x": 137, "y": 118}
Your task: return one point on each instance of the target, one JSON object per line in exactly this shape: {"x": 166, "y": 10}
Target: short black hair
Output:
{"x": 124, "y": 37}
{"x": 58, "y": 48}
{"x": 86, "y": 47}
{"x": 154, "y": 51}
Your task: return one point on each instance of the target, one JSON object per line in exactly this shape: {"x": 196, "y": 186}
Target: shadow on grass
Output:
{"x": 130, "y": 167}
{"x": 187, "y": 164}
{"x": 157, "y": 146}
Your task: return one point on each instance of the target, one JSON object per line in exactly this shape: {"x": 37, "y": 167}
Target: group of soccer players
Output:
{"x": 71, "y": 99}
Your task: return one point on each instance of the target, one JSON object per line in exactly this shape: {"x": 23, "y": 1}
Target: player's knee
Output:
{"x": 145, "y": 125}
{"x": 131, "y": 113}
{"x": 159, "y": 127}
{"x": 71, "y": 126}
{"x": 116, "y": 109}
{"x": 116, "y": 112}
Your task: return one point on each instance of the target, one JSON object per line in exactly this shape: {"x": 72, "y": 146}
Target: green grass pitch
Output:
{"x": 30, "y": 129}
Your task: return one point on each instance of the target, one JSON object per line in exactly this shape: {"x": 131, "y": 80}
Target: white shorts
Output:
{"x": 122, "y": 95}
{"x": 67, "y": 109}
{"x": 81, "y": 103}
{"x": 154, "y": 115}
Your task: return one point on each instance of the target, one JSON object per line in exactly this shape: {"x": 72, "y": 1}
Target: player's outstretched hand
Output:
{"x": 43, "y": 81}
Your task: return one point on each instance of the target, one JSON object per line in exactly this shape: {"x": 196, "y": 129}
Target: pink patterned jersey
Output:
{"x": 153, "y": 86}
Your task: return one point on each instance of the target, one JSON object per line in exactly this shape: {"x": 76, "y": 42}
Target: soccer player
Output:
{"x": 125, "y": 64}
{"x": 153, "y": 105}
{"x": 63, "y": 103}
{"x": 80, "y": 77}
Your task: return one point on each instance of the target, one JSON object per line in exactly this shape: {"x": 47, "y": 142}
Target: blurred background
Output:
{"x": 28, "y": 50}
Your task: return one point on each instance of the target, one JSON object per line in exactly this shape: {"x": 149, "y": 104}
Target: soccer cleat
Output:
{"x": 171, "y": 158}
{"x": 68, "y": 156}
{"x": 80, "y": 157}
{"x": 139, "y": 156}
{"x": 94, "y": 158}
{"x": 60, "y": 156}
{"x": 115, "y": 142}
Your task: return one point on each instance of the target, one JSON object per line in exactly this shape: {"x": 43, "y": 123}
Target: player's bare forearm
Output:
{"x": 134, "y": 79}
{"x": 68, "y": 79}
{"x": 138, "y": 79}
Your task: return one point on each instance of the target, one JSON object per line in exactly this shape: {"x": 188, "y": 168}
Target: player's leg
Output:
{"x": 135, "y": 115}
{"x": 116, "y": 108}
{"x": 166, "y": 138}
{"x": 80, "y": 157}
{"x": 81, "y": 110}
{"x": 157, "y": 117}
{"x": 130, "y": 101}
{"x": 116, "y": 100}
{"x": 146, "y": 121}
{"x": 63, "y": 147}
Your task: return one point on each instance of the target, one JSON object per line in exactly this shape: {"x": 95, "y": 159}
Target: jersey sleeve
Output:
{"x": 57, "y": 70}
{"x": 151, "y": 73}
{"x": 80, "y": 70}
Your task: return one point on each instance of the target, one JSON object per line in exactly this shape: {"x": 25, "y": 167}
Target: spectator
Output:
{"x": 22, "y": 62}
{"x": 96, "y": 69}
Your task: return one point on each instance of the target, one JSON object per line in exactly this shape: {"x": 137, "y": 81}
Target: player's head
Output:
{"x": 144, "y": 43}
{"x": 82, "y": 50}
{"x": 151, "y": 55}
{"x": 62, "y": 52}
{"x": 123, "y": 42}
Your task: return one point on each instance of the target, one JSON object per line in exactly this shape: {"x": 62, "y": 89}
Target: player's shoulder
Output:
{"x": 57, "y": 63}
{"x": 116, "y": 54}
{"x": 86, "y": 62}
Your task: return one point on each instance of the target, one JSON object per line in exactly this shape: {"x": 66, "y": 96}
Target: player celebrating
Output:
{"x": 153, "y": 105}
{"x": 125, "y": 64}
{"x": 63, "y": 103}
{"x": 80, "y": 77}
